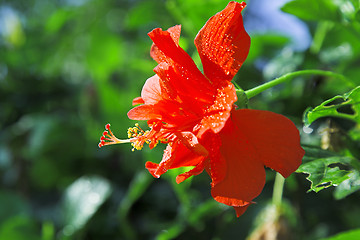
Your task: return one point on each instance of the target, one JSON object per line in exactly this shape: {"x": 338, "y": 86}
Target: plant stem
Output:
{"x": 48, "y": 231}
{"x": 319, "y": 36}
{"x": 289, "y": 76}
{"x": 138, "y": 186}
{"x": 278, "y": 189}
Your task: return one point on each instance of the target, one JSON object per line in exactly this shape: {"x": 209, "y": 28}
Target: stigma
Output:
{"x": 108, "y": 138}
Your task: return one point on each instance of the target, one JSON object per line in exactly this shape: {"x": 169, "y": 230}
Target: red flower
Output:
{"x": 194, "y": 114}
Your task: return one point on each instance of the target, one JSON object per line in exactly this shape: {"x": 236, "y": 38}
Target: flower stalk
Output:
{"x": 278, "y": 189}
{"x": 289, "y": 76}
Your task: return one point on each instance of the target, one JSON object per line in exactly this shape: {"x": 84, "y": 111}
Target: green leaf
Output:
{"x": 57, "y": 20}
{"x": 313, "y": 10}
{"x": 19, "y": 228}
{"x": 106, "y": 48}
{"x": 82, "y": 199}
{"x": 356, "y": 4}
{"x": 349, "y": 235}
{"x": 347, "y": 8}
{"x": 312, "y": 153}
{"x": 265, "y": 45}
{"x": 191, "y": 14}
{"x": 15, "y": 205}
{"x": 357, "y": 16}
{"x": 140, "y": 15}
{"x": 348, "y": 186}
{"x": 325, "y": 169}
{"x": 325, "y": 172}
{"x": 330, "y": 108}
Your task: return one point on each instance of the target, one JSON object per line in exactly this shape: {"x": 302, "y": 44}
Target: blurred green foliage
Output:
{"x": 68, "y": 67}
{"x": 349, "y": 235}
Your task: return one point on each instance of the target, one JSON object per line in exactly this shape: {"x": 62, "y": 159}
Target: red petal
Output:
{"x": 173, "y": 53}
{"x": 137, "y": 101}
{"x": 192, "y": 143}
{"x": 152, "y": 167}
{"x": 191, "y": 95}
{"x": 183, "y": 84}
{"x": 158, "y": 169}
{"x": 176, "y": 156}
{"x": 156, "y": 53}
{"x": 143, "y": 112}
{"x": 245, "y": 173}
{"x": 167, "y": 159}
{"x": 275, "y": 137}
{"x": 184, "y": 157}
{"x": 151, "y": 92}
{"x": 166, "y": 111}
{"x": 218, "y": 113}
{"x": 195, "y": 171}
{"x": 240, "y": 210}
{"x": 217, "y": 167}
{"x": 223, "y": 43}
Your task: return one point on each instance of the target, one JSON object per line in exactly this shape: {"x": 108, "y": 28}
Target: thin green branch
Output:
{"x": 320, "y": 35}
{"x": 289, "y": 76}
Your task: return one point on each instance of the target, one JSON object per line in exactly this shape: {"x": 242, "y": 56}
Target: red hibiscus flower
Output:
{"x": 194, "y": 114}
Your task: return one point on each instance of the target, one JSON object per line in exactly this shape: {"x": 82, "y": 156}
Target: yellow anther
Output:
{"x": 137, "y": 145}
{"x": 157, "y": 142}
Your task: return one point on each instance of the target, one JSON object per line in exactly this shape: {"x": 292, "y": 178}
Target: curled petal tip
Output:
{"x": 180, "y": 179}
